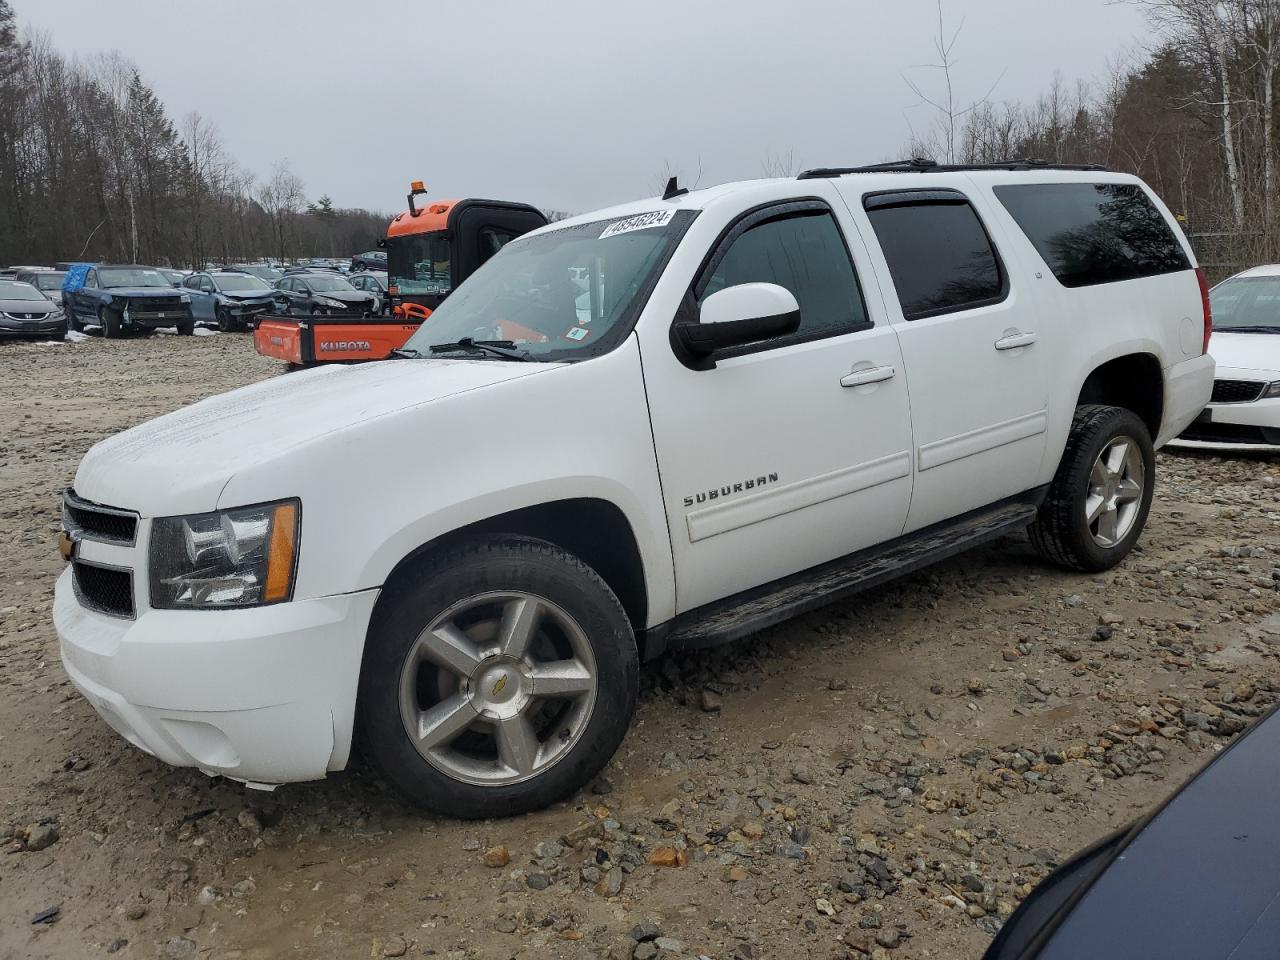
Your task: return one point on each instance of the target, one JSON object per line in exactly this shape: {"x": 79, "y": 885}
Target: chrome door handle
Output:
{"x": 860, "y": 378}
{"x": 1013, "y": 341}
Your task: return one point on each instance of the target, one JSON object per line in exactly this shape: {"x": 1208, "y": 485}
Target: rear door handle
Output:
{"x": 860, "y": 378}
{"x": 1012, "y": 341}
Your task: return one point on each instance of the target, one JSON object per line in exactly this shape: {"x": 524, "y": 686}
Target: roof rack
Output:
{"x": 925, "y": 165}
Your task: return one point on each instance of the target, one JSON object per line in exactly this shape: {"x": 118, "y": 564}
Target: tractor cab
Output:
{"x": 433, "y": 248}
{"x": 430, "y": 249}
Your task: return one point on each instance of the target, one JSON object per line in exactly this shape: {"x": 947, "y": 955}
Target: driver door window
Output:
{"x": 805, "y": 253}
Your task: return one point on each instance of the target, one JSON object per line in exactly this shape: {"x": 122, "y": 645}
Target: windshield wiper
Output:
{"x": 497, "y": 348}
{"x": 1259, "y": 328}
{"x": 407, "y": 353}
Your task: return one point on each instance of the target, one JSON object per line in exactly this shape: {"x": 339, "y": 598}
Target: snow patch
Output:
{"x": 75, "y": 336}
{"x": 204, "y": 332}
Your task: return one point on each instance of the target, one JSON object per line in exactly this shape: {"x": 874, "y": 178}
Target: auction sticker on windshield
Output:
{"x": 641, "y": 221}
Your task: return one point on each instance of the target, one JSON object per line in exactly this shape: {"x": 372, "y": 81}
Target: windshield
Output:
{"x": 49, "y": 281}
{"x": 420, "y": 264}
{"x": 328, "y": 284}
{"x": 131, "y": 277}
{"x": 269, "y": 274}
{"x": 13, "y": 290}
{"x": 1246, "y": 302}
{"x": 238, "y": 281}
{"x": 560, "y": 293}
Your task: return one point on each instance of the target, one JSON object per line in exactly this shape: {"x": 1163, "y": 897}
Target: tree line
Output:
{"x": 93, "y": 168}
{"x": 1194, "y": 116}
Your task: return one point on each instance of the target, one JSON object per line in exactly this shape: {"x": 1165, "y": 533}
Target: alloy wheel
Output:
{"x": 1116, "y": 485}
{"x": 498, "y": 688}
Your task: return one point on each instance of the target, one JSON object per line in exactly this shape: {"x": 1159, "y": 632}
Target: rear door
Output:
{"x": 971, "y": 341}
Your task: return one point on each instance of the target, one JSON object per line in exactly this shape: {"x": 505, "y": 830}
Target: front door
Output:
{"x": 790, "y": 452}
{"x": 974, "y": 345}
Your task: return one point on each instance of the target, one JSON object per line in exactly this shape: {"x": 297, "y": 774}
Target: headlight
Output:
{"x": 184, "y": 298}
{"x": 232, "y": 558}
{"x": 1272, "y": 391}
{"x": 326, "y": 301}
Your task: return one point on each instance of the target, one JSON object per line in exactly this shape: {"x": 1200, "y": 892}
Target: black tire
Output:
{"x": 112, "y": 322}
{"x": 1061, "y": 532}
{"x": 74, "y": 322}
{"x": 496, "y": 563}
{"x": 186, "y": 329}
{"x": 225, "y": 322}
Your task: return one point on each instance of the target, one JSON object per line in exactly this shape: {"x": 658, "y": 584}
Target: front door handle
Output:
{"x": 860, "y": 378}
{"x": 1015, "y": 339}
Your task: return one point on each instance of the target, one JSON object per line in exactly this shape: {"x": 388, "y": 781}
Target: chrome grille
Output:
{"x": 86, "y": 520}
{"x": 1237, "y": 391}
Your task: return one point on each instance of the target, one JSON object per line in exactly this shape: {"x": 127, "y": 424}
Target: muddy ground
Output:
{"x": 886, "y": 777}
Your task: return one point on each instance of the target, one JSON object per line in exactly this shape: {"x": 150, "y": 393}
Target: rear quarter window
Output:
{"x": 1091, "y": 233}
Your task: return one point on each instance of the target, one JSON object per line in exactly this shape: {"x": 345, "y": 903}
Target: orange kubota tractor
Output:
{"x": 430, "y": 250}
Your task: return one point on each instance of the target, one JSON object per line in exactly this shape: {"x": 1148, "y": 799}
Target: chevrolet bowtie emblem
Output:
{"x": 66, "y": 545}
{"x": 497, "y": 687}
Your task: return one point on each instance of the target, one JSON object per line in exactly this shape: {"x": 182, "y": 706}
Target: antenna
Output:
{"x": 673, "y": 190}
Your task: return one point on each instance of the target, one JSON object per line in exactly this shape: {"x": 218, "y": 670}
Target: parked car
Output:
{"x": 374, "y": 282}
{"x": 124, "y": 297}
{"x": 1214, "y": 843}
{"x": 26, "y": 311}
{"x": 323, "y": 294}
{"x": 1244, "y": 412}
{"x": 717, "y": 438}
{"x": 175, "y": 277}
{"x": 259, "y": 270}
{"x": 232, "y": 300}
{"x": 375, "y": 260}
{"x": 48, "y": 282}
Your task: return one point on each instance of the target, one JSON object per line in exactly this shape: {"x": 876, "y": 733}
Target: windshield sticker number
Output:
{"x": 641, "y": 221}
{"x": 577, "y": 333}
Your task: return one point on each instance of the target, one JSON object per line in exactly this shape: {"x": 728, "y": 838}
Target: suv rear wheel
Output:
{"x": 499, "y": 677}
{"x": 1100, "y": 497}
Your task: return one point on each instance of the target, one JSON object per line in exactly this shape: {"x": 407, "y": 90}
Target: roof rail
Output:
{"x": 925, "y": 165}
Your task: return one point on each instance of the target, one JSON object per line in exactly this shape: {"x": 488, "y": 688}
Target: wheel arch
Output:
{"x": 595, "y": 530}
{"x": 1134, "y": 381}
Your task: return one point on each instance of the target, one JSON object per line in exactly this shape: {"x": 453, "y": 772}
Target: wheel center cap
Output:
{"x": 500, "y": 688}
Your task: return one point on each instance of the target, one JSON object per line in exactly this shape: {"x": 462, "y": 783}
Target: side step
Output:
{"x": 745, "y": 613}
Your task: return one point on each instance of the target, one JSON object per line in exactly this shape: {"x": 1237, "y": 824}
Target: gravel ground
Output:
{"x": 885, "y": 777}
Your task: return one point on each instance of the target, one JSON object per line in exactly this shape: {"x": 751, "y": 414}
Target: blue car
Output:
{"x": 231, "y": 299}
{"x": 119, "y": 298}
{"x": 1196, "y": 879}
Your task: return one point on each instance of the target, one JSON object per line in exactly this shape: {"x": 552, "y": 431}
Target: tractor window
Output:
{"x": 420, "y": 264}
{"x": 493, "y": 239}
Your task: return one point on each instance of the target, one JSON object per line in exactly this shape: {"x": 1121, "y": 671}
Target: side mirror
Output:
{"x": 738, "y": 315}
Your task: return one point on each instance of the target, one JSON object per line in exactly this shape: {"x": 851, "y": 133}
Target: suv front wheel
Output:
{"x": 500, "y": 677}
{"x": 1098, "y": 502}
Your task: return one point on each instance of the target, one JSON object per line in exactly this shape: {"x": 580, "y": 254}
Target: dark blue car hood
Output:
{"x": 1199, "y": 880}
{"x": 141, "y": 292}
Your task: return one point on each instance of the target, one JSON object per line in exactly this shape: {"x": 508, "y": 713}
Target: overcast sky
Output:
{"x": 572, "y": 104}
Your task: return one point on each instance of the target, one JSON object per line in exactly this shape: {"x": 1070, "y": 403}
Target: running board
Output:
{"x": 745, "y": 613}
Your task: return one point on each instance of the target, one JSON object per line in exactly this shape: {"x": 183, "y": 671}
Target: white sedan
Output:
{"x": 1244, "y": 413}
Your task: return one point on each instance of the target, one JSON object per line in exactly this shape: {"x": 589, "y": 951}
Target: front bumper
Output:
{"x": 1253, "y": 425}
{"x": 264, "y": 695}
{"x": 32, "y": 328}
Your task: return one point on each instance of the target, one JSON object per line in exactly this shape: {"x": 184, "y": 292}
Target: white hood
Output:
{"x": 1246, "y": 356}
{"x": 180, "y": 462}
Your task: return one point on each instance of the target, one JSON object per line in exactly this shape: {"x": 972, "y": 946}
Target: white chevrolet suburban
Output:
{"x": 660, "y": 426}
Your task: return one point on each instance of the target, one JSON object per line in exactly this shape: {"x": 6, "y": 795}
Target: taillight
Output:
{"x": 1208, "y": 310}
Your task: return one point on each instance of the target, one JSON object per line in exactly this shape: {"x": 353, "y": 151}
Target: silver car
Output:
{"x": 27, "y": 312}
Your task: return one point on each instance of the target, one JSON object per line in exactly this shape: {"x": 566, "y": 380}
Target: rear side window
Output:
{"x": 938, "y": 251}
{"x": 805, "y": 253}
{"x": 1090, "y": 233}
